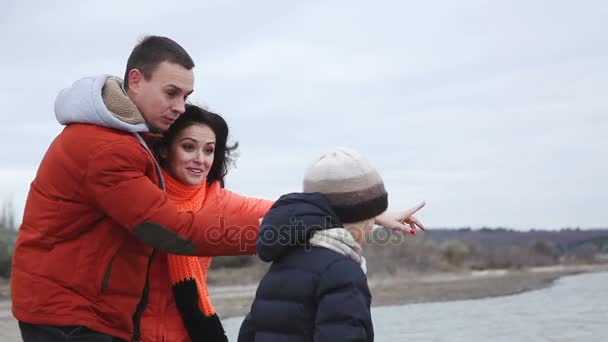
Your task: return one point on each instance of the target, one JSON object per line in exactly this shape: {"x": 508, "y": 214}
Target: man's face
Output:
{"x": 162, "y": 98}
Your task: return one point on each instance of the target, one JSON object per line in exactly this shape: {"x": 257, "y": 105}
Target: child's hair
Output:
{"x": 353, "y": 187}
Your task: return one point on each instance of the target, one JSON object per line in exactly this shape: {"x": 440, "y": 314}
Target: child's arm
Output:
{"x": 343, "y": 312}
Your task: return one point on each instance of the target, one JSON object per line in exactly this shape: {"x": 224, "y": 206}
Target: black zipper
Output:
{"x": 143, "y": 302}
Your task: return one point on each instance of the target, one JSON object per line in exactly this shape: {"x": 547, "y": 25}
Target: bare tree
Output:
{"x": 7, "y": 217}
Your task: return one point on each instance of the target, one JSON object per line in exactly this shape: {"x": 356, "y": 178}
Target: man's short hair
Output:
{"x": 153, "y": 50}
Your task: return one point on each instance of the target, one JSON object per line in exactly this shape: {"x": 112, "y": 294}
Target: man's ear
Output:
{"x": 135, "y": 78}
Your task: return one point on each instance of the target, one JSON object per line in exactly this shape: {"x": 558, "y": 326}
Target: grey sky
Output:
{"x": 495, "y": 112}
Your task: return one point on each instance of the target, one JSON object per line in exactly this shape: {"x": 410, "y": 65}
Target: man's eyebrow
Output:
{"x": 178, "y": 89}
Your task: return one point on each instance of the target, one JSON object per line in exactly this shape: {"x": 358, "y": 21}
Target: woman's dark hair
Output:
{"x": 195, "y": 115}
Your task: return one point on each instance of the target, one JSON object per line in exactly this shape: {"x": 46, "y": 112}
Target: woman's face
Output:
{"x": 190, "y": 155}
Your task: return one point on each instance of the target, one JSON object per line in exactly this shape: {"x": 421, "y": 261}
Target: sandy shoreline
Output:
{"x": 407, "y": 288}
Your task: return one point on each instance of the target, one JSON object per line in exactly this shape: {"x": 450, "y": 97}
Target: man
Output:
{"x": 96, "y": 213}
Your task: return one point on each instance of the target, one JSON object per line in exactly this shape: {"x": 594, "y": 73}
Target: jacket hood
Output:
{"x": 291, "y": 222}
{"x": 99, "y": 100}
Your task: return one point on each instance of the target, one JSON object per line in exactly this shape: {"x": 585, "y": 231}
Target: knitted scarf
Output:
{"x": 188, "y": 275}
{"x": 339, "y": 240}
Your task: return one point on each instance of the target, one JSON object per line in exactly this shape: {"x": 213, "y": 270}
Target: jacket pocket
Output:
{"x": 108, "y": 273}
{"x": 106, "y": 266}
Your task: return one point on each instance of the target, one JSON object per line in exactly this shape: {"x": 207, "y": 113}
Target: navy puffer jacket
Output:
{"x": 309, "y": 293}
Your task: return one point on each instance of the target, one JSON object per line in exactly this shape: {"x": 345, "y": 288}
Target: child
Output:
{"x": 316, "y": 288}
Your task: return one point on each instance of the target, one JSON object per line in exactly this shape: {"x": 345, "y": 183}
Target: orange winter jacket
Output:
{"x": 94, "y": 220}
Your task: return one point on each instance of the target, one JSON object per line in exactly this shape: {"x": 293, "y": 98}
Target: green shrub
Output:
{"x": 454, "y": 252}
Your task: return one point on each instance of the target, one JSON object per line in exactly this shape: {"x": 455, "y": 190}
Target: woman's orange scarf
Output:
{"x": 188, "y": 274}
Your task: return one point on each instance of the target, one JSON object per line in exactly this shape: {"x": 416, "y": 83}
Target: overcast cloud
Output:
{"x": 495, "y": 112}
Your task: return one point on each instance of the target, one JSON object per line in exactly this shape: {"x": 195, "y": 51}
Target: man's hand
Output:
{"x": 399, "y": 220}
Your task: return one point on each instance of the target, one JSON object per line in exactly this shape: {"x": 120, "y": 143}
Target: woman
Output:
{"x": 194, "y": 157}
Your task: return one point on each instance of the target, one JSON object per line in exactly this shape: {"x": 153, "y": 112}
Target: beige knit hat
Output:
{"x": 353, "y": 187}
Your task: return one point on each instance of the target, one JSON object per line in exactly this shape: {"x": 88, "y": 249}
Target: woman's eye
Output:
{"x": 188, "y": 147}
{"x": 209, "y": 151}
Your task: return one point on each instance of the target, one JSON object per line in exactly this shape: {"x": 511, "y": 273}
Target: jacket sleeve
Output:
{"x": 235, "y": 204}
{"x": 228, "y": 204}
{"x": 343, "y": 312}
{"x": 116, "y": 182}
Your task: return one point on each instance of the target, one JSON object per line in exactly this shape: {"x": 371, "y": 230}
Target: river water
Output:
{"x": 575, "y": 308}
